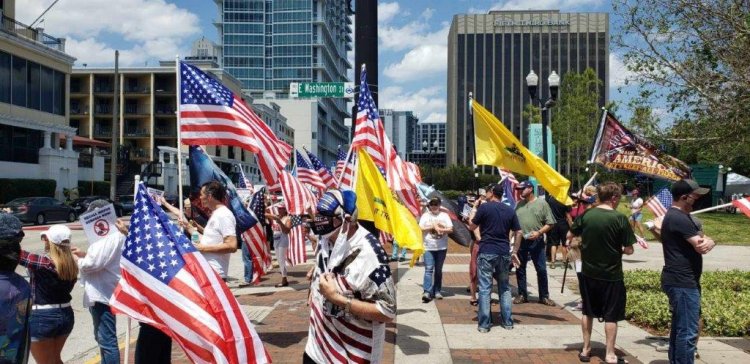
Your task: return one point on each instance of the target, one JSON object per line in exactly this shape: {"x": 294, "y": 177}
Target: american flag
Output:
{"x": 340, "y": 162}
{"x": 660, "y": 202}
{"x": 210, "y": 114}
{"x": 641, "y": 241}
{"x": 370, "y": 134}
{"x": 307, "y": 174}
{"x": 349, "y": 173}
{"x": 509, "y": 182}
{"x": 323, "y": 171}
{"x": 295, "y": 201}
{"x": 255, "y": 237}
{"x": 168, "y": 284}
{"x": 743, "y": 204}
{"x": 243, "y": 182}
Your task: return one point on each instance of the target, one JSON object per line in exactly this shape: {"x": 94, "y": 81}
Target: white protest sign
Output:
{"x": 467, "y": 210}
{"x": 154, "y": 193}
{"x": 244, "y": 194}
{"x": 100, "y": 223}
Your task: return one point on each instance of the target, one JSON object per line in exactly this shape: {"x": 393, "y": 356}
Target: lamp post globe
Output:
{"x": 554, "y": 84}
{"x": 532, "y": 82}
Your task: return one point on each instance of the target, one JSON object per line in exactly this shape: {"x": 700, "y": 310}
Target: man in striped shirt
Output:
{"x": 352, "y": 292}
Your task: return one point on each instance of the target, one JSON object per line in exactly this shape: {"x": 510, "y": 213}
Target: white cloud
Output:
{"x": 618, "y": 72}
{"x": 412, "y": 34}
{"x": 142, "y": 29}
{"x": 542, "y": 4}
{"x": 418, "y": 63}
{"x": 386, "y": 11}
{"x": 428, "y": 103}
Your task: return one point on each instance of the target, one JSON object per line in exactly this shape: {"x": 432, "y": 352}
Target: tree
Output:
{"x": 694, "y": 54}
{"x": 574, "y": 121}
{"x": 532, "y": 113}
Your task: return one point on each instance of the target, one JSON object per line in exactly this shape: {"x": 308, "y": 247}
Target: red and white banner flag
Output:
{"x": 743, "y": 204}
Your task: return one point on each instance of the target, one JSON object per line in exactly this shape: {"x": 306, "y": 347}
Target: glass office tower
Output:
{"x": 269, "y": 44}
{"x": 491, "y": 54}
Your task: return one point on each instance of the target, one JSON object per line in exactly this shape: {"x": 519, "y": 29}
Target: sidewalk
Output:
{"x": 444, "y": 331}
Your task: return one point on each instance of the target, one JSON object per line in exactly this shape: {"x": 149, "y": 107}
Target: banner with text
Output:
{"x": 617, "y": 148}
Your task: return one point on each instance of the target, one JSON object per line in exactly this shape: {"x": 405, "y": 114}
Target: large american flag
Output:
{"x": 210, "y": 114}
{"x": 323, "y": 171}
{"x": 295, "y": 200}
{"x": 307, "y": 174}
{"x": 340, "y": 162}
{"x": 243, "y": 182}
{"x": 370, "y": 134}
{"x": 510, "y": 185}
{"x": 255, "y": 237}
{"x": 348, "y": 176}
{"x": 660, "y": 202}
{"x": 168, "y": 284}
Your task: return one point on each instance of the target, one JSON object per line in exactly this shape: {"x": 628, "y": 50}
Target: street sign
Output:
{"x": 321, "y": 89}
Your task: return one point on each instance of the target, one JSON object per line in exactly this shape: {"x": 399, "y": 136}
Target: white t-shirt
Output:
{"x": 280, "y": 240}
{"x": 435, "y": 241}
{"x": 636, "y": 205}
{"x": 221, "y": 224}
{"x": 100, "y": 269}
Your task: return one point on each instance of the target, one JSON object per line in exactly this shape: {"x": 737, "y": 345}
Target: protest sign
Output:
{"x": 99, "y": 224}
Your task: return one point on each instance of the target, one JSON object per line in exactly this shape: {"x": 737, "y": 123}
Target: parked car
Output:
{"x": 126, "y": 201}
{"x": 80, "y": 205}
{"x": 39, "y": 210}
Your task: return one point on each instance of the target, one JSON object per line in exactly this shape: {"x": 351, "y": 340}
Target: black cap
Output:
{"x": 498, "y": 190}
{"x": 687, "y": 186}
{"x": 524, "y": 185}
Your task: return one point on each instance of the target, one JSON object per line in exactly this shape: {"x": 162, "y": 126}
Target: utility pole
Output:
{"x": 115, "y": 133}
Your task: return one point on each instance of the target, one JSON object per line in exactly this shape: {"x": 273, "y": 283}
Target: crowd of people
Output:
{"x": 351, "y": 284}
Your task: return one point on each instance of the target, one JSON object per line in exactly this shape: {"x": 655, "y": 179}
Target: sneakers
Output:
{"x": 426, "y": 298}
{"x": 438, "y": 296}
{"x": 547, "y": 301}
{"x": 483, "y": 330}
{"x": 520, "y": 299}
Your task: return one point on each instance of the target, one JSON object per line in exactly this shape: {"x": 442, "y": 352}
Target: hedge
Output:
{"x": 725, "y": 302}
{"x": 23, "y": 187}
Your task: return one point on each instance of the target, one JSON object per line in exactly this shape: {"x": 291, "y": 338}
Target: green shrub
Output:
{"x": 88, "y": 188}
{"x": 725, "y": 302}
{"x": 22, "y": 187}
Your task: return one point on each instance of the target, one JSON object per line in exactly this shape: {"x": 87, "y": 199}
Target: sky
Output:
{"x": 413, "y": 39}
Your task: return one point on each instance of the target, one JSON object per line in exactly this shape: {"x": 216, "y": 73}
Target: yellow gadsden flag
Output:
{"x": 375, "y": 202}
{"x": 497, "y": 146}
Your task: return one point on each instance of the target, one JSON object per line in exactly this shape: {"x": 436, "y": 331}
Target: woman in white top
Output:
{"x": 435, "y": 225}
{"x": 281, "y": 224}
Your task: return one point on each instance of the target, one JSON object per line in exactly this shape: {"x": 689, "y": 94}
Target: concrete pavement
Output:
{"x": 442, "y": 331}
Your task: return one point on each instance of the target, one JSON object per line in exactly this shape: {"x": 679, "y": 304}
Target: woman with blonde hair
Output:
{"x": 53, "y": 276}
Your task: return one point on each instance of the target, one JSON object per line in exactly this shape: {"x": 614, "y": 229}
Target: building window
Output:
{"x": 19, "y": 145}
{"x": 5, "y": 71}
{"x": 19, "y": 81}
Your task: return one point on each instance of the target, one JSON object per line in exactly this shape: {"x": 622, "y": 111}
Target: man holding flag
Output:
{"x": 352, "y": 295}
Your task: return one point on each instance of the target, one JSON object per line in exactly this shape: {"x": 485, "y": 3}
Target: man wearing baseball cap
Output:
{"x": 536, "y": 219}
{"x": 684, "y": 245}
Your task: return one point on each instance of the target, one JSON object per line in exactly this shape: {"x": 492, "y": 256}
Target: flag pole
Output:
{"x": 179, "y": 132}
{"x": 126, "y": 354}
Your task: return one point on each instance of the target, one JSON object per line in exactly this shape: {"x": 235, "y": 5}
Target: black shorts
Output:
{"x": 604, "y": 300}
{"x": 558, "y": 233}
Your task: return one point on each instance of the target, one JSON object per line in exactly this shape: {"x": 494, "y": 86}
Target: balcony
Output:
{"x": 11, "y": 26}
{"x": 101, "y": 132}
{"x": 137, "y": 110}
{"x": 79, "y": 110}
{"x": 104, "y": 89}
{"x": 135, "y": 132}
{"x": 140, "y": 90}
{"x": 164, "y": 111}
{"x": 165, "y": 132}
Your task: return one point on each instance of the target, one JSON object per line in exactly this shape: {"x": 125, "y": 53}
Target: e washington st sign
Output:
{"x": 321, "y": 89}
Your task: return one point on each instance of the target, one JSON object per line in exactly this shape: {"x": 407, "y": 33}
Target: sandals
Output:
{"x": 474, "y": 302}
{"x": 584, "y": 358}
{"x": 620, "y": 360}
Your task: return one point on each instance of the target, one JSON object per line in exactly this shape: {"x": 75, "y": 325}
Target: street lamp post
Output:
{"x": 532, "y": 82}
{"x": 429, "y": 149}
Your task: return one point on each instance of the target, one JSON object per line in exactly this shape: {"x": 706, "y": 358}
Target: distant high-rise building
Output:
{"x": 491, "y": 54}
{"x": 267, "y": 45}
{"x": 400, "y": 127}
{"x": 422, "y": 149}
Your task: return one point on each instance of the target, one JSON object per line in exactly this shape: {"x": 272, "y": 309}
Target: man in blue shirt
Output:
{"x": 15, "y": 295}
{"x": 495, "y": 221}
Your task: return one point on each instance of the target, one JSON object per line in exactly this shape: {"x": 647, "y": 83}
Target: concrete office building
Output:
{"x": 491, "y": 54}
{"x": 147, "y": 101}
{"x": 400, "y": 127}
{"x": 35, "y": 139}
{"x": 267, "y": 45}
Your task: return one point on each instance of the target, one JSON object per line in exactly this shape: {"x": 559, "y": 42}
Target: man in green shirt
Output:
{"x": 605, "y": 235}
{"x": 536, "y": 219}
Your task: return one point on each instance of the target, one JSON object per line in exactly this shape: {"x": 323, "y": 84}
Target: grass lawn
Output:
{"x": 723, "y": 227}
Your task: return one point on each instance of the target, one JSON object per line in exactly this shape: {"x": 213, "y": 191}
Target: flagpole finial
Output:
{"x": 471, "y": 95}
{"x": 363, "y": 67}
